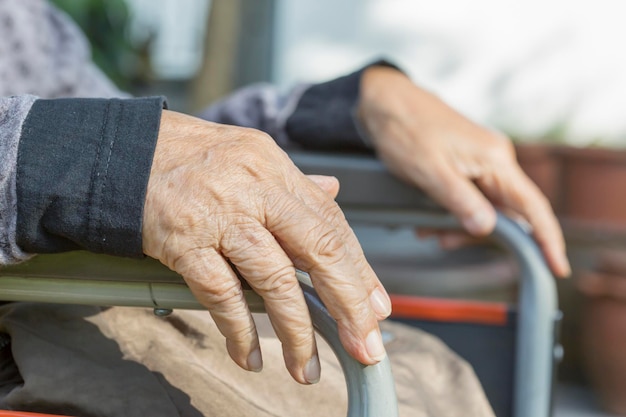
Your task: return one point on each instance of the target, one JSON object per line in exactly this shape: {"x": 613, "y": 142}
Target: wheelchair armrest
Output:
{"x": 365, "y": 182}
{"x": 86, "y": 278}
{"x": 370, "y": 194}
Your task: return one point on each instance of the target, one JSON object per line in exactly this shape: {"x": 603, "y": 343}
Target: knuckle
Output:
{"x": 327, "y": 245}
{"x": 352, "y": 330}
{"x": 361, "y": 308}
{"x": 240, "y": 236}
{"x": 533, "y": 200}
{"x": 542, "y": 208}
{"x": 280, "y": 284}
{"x": 242, "y": 334}
{"x": 500, "y": 147}
{"x": 331, "y": 212}
{"x": 498, "y": 153}
{"x": 537, "y": 211}
{"x": 222, "y": 295}
{"x": 301, "y": 341}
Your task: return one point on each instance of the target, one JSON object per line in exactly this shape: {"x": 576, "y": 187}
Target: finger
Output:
{"x": 460, "y": 196}
{"x": 316, "y": 246}
{"x": 265, "y": 266}
{"x": 330, "y": 211}
{"x": 215, "y": 285}
{"x": 517, "y": 192}
{"x": 329, "y": 184}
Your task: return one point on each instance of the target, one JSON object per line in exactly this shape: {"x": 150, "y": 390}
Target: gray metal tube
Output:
{"x": 370, "y": 194}
{"x": 371, "y": 389}
{"x": 538, "y": 303}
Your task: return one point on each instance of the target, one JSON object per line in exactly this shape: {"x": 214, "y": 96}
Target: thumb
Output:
{"x": 330, "y": 185}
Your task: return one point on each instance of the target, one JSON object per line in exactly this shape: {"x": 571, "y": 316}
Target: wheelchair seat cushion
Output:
{"x": 121, "y": 361}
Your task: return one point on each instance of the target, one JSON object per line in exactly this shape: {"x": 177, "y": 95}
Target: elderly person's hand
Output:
{"x": 461, "y": 165}
{"x": 221, "y": 195}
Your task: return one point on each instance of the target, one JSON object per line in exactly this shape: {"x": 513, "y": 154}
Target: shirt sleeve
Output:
{"x": 309, "y": 116}
{"x": 66, "y": 158}
{"x": 82, "y": 172}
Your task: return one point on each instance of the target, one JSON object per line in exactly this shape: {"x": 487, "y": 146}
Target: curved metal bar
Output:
{"x": 371, "y": 195}
{"x": 83, "y": 278}
{"x": 371, "y": 389}
{"x": 538, "y": 301}
{"x": 536, "y": 326}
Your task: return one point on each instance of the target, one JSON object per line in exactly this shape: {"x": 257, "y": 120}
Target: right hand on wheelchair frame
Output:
{"x": 221, "y": 195}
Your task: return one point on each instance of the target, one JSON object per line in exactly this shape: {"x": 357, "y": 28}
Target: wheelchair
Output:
{"x": 370, "y": 195}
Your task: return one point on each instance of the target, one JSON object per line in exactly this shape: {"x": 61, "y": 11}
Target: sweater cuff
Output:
{"x": 325, "y": 117}
{"x": 82, "y": 174}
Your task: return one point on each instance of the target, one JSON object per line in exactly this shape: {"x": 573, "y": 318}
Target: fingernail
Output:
{"x": 255, "y": 361}
{"x": 380, "y": 303}
{"x": 312, "y": 370}
{"x": 374, "y": 346}
{"x": 479, "y": 222}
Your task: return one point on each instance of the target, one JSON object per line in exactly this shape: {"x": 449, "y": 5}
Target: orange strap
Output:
{"x": 24, "y": 414}
{"x": 446, "y": 310}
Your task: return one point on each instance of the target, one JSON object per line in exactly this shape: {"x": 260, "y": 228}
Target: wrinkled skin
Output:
{"x": 220, "y": 194}
{"x": 466, "y": 168}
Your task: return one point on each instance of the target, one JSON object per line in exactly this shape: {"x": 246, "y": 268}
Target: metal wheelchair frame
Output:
{"x": 370, "y": 195}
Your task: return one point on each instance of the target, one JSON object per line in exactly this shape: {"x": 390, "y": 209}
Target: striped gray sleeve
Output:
{"x": 260, "y": 106}
{"x": 13, "y": 112}
{"x": 319, "y": 117}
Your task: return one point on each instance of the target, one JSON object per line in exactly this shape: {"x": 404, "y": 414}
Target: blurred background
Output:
{"x": 549, "y": 73}
{"x": 538, "y": 70}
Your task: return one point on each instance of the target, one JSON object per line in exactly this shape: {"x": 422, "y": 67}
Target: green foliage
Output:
{"x": 105, "y": 23}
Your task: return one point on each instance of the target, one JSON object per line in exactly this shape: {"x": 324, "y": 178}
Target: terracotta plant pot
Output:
{"x": 585, "y": 187}
{"x": 592, "y": 182}
{"x": 603, "y": 329}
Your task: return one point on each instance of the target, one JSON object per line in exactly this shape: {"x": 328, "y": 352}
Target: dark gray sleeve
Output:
{"x": 45, "y": 54}
{"x": 82, "y": 171}
{"x": 309, "y": 116}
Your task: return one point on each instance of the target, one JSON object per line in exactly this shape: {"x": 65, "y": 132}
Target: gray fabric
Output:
{"x": 260, "y": 106}
{"x": 142, "y": 365}
{"x": 13, "y": 111}
{"x": 44, "y": 53}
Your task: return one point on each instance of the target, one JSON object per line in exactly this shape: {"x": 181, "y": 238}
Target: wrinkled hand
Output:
{"x": 462, "y": 166}
{"x": 220, "y": 194}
